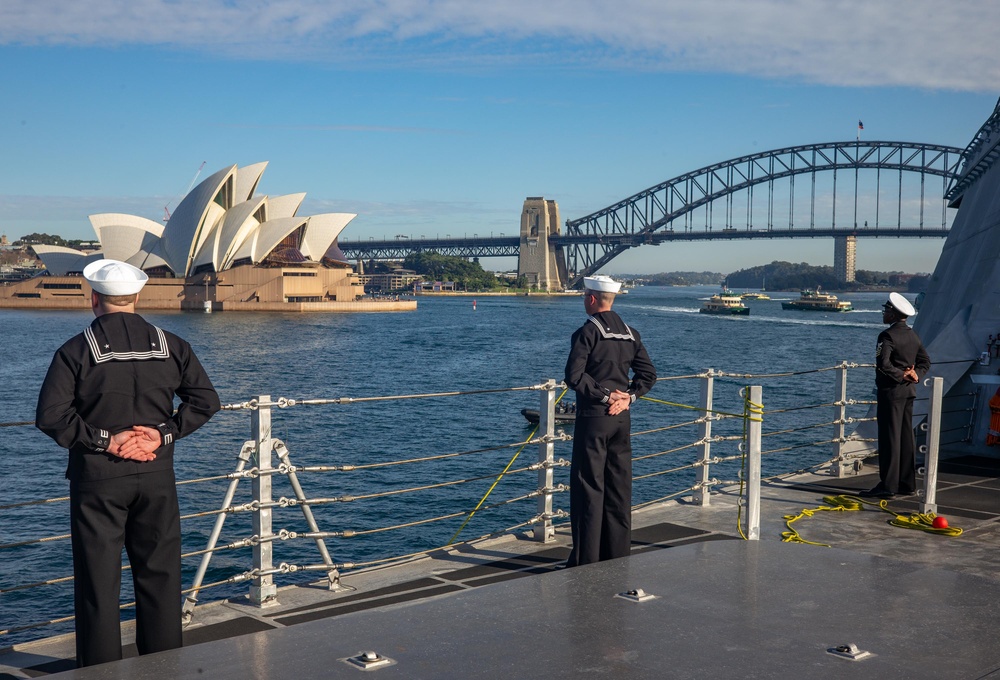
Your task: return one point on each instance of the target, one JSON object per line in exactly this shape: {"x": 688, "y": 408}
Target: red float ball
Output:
{"x": 940, "y": 523}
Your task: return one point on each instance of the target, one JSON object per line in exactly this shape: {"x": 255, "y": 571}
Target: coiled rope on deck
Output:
{"x": 920, "y": 521}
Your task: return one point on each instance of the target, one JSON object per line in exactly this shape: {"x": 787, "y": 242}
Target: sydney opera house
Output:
{"x": 225, "y": 247}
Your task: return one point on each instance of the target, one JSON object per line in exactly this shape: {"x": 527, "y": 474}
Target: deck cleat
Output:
{"x": 368, "y": 661}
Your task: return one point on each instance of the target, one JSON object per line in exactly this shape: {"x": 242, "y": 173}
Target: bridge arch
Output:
{"x": 592, "y": 241}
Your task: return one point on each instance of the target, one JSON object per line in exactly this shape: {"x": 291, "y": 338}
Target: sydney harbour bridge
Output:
{"x": 839, "y": 190}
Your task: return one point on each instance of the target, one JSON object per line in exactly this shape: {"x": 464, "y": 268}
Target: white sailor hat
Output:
{"x": 111, "y": 277}
{"x": 901, "y": 304}
{"x": 601, "y": 284}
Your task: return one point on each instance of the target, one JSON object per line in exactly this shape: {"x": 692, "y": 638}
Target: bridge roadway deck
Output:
{"x": 924, "y": 605}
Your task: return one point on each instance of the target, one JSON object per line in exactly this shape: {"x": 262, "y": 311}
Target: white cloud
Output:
{"x": 917, "y": 43}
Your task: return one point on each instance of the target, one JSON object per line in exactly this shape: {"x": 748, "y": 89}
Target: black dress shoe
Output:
{"x": 878, "y": 492}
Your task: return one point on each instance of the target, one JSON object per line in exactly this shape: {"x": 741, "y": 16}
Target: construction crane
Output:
{"x": 166, "y": 208}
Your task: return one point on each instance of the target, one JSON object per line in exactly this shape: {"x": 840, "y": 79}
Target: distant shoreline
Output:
{"x": 462, "y": 293}
{"x": 863, "y": 289}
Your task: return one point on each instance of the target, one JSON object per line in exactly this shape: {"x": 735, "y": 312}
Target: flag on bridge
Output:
{"x": 861, "y": 126}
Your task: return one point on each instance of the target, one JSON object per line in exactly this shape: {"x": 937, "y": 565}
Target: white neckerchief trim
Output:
{"x": 606, "y": 334}
{"x": 101, "y": 356}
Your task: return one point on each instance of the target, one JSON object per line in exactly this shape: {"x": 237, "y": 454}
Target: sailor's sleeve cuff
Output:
{"x": 166, "y": 434}
{"x": 103, "y": 441}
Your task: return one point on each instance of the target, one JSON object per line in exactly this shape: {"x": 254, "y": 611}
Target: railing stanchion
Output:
{"x": 930, "y": 448}
{"x": 544, "y": 531}
{"x": 192, "y": 599}
{"x": 753, "y": 465}
{"x": 840, "y": 425}
{"x": 702, "y": 494}
{"x": 263, "y": 591}
{"x": 332, "y": 573}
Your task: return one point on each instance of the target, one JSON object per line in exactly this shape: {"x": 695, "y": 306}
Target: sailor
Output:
{"x": 108, "y": 397}
{"x": 900, "y": 363}
{"x": 602, "y": 353}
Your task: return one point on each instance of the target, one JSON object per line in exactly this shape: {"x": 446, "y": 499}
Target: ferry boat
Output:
{"x": 726, "y": 302}
{"x": 751, "y": 295}
{"x": 815, "y": 301}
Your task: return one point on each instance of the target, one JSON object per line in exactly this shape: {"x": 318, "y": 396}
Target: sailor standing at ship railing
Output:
{"x": 602, "y": 354}
{"x": 108, "y": 397}
{"x": 900, "y": 363}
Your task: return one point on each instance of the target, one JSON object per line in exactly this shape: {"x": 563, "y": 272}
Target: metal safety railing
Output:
{"x": 707, "y": 438}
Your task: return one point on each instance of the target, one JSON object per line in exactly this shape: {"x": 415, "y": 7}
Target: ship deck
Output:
{"x": 922, "y": 605}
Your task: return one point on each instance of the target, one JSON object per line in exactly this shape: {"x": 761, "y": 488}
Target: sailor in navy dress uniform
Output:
{"x": 108, "y": 398}
{"x": 602, "y": 353}
{"x": 900, "y": 363}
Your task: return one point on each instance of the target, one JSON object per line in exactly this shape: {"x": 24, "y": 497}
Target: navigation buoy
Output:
{"x": 940, "y": 523}
{"x": 473, "y": 305}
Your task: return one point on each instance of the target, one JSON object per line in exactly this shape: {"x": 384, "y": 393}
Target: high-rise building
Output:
{"x": 844, "y": 249}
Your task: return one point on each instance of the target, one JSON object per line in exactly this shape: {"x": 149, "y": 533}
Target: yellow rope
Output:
{"x": 500, "y": 476}
{"x": 705, "y": 410}
{"x": 748, "y": 408}
{"x": 921, "y": 521}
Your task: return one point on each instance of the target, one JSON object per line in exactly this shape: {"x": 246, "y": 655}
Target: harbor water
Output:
{"x": 447, "y": 344}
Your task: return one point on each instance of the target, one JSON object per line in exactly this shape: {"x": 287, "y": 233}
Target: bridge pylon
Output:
{"x": 540, "y": 260}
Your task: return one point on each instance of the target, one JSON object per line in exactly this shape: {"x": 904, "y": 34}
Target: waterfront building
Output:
{"x": 225, "y": 247}
{"x": 433, "y": 286}
{"x": 391, "y": 281}
{"x": 844, "y": 257}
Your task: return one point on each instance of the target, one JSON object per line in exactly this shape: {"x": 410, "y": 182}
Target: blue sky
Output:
{"x": 434, "y": 117}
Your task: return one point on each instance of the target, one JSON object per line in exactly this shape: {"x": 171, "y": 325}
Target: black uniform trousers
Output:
{"x": 601, "y": 489}
{"x": 896, "y": 460}
{"x": 140, "y": 512}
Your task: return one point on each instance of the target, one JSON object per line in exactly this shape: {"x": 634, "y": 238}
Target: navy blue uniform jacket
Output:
{"x": 897, "y": 349}
{"x": 122, "y": 371}
{"x": 602, "y": 352}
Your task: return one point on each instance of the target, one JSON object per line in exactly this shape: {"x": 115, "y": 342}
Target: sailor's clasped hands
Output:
{"x": 139, "y": 444}
{"x": 618, "y": 401}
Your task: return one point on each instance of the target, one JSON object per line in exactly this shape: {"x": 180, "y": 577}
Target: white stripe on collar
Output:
{"x": 101, "y": 356}
{"x": 606, "y": 334}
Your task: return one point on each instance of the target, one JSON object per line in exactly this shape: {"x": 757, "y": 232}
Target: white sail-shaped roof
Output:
{"x": 122, "y": 236}
{"x": 194, "y": 218}
{"x": 273, "y": 232}
{"x": 284, "y": 206}
{"x": 60, "y": 260}
{"x": 321, "y": 231}
{"x": 147, "y": 260}
{"x": 241, "y": 221}
{"x": 208, "y": 253}
{"x": 220, "y": 222}
{"x": 247, "y": 179}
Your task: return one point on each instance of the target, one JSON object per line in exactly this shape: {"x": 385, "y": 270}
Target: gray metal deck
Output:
{"x": 926, "y": 606}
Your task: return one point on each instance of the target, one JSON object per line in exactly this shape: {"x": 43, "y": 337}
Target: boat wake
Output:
{"x": 660, "y": 308}
{"x": 814, "y": 322}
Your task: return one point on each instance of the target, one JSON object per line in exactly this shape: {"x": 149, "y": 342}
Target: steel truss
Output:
{"x": 648, "y": 217}
{"x": 502, "y": 246}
